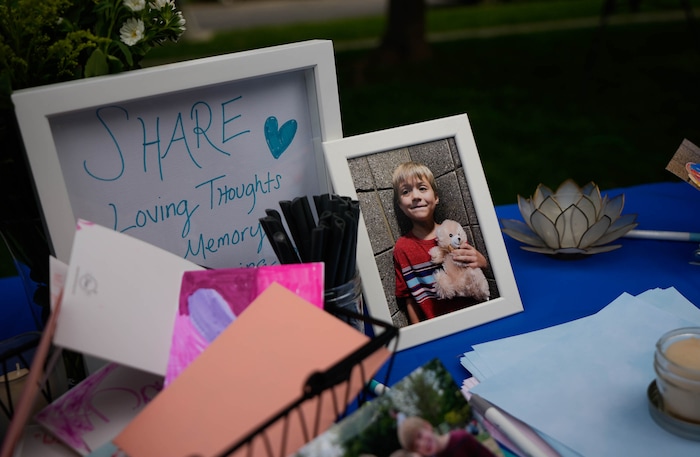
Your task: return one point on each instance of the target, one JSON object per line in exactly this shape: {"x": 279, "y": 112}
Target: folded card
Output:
{"x": 120, "y": 298}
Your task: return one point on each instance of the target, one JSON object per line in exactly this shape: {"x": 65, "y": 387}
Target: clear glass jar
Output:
{"x": 346, "y": 296}
{"x": 677, "y": 366}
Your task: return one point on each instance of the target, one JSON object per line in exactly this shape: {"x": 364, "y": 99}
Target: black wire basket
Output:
{"x": 334, "y": 384}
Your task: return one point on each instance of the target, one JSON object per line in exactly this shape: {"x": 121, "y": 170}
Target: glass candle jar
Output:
{"x": 677, "y": 366}
{"x": 347, "y": 296}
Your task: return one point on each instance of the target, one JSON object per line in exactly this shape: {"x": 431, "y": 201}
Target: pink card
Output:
{"x": 212, "y": 299}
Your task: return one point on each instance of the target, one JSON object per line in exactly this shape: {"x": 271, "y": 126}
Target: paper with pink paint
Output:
{"x": 210, "y": 300}
{"x": 96, "y": 410}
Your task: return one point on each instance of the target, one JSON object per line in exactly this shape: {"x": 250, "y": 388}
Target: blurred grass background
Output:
{"x": 606, "y": 105}
{"x": 609, "y": 105}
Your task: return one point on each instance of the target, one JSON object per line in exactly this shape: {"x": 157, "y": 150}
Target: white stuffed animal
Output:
{"x": 455, "y": 278}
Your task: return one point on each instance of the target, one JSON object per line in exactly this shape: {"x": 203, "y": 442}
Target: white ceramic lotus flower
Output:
{"x": 572, "y": 221}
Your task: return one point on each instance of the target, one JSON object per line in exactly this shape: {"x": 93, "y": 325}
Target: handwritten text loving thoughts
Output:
{"x": 187, "y": 167}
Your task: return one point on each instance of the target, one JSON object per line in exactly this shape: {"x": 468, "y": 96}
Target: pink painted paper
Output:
{"x": 238, "y": 287}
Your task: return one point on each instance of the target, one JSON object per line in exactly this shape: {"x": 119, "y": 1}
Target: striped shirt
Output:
{"x": 415, "y": 276}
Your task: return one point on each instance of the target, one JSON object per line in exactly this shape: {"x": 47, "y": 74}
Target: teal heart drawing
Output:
{"x": 279, "y": 138}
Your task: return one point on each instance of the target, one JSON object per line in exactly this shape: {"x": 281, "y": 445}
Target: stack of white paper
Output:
{"x": 584, "y": 383}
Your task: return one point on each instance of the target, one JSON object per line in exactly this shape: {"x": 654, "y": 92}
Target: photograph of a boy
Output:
{"x": 416, "y": 196}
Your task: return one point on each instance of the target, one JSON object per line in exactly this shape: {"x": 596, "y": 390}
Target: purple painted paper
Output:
{"x": 209, "y": 312}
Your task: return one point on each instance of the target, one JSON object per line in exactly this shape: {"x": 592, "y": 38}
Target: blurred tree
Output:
{"x": 404, "y": 38}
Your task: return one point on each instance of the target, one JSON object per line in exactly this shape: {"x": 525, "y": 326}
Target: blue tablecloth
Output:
{"x": 557, "y": 291}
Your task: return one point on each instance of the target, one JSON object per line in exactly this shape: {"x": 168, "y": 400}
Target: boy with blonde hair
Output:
{"x": 416, "y": 195}
{"x": 417, "y": 435}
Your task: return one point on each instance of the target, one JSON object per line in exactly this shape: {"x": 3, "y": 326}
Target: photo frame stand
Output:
{"x": 361, "y": 168}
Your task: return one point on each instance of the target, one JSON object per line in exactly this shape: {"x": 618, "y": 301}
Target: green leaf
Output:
{"x": 96, "y": 64}
{"x": 115, "y": 65}
{"x": 127, "y": 53}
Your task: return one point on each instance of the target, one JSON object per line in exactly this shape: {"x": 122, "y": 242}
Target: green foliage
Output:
{"x": 377, "y": 437}
{"x": 49, "y": 41}
{"x": 33, "y": 50}
{"x": 460, "y": 415}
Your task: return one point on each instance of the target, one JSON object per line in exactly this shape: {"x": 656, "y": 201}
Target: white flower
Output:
{"x": 181, "y": 21}
{"x": 159, "y": 4}
{"x": 135, "y": 5}
{"x": 132, "y": 31}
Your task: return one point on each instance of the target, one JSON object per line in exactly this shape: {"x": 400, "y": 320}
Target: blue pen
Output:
{"x": 663, "y": 235}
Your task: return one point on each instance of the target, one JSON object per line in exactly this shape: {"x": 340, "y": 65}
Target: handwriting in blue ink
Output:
{"x": 202, "y": 245}
{"x": 221, "y": 193}
{"x": 156, "y": 214}
{"x": 157, "y": 140}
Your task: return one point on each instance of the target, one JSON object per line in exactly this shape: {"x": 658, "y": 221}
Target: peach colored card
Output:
{"x": 257, "y": 366}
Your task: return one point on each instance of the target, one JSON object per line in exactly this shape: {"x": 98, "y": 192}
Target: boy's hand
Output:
{"x": 468, "y": 256}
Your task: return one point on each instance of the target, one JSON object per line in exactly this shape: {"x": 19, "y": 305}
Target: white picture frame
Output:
{"x": 307, "y": 86}
{"x": 360, "y": 167}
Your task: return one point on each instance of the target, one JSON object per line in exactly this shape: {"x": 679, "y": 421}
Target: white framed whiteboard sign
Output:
{"x": 185, "y": 156}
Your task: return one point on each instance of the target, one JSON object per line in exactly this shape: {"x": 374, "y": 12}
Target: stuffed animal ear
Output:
{"x": 463, "y": 233}
{"x": 450, "y": 227}
{"x": 439, "y": 235}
